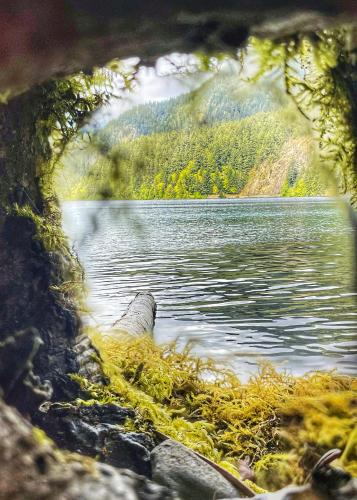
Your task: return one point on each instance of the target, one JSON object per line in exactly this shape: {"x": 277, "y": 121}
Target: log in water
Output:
{"x": 139, "y": 317}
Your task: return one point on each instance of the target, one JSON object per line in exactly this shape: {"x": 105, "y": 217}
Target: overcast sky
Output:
{"x": 173, "y": 75}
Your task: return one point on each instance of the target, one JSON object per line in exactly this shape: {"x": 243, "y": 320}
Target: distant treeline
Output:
{"x": 215, "y": 142}
{"x": 220, "y": 99}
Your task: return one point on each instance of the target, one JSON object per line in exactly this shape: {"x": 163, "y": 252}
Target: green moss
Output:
{"x": 283, "y": 423}
{"x": 324, "y": 93}
{"x": 47, "y": 228}
{"x": 49, "y": 233}
{"x": 41, "y": 437}
{"x": 276, "y": 470}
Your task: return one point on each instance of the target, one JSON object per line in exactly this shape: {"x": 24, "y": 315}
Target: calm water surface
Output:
{"x": 243, "y": 280}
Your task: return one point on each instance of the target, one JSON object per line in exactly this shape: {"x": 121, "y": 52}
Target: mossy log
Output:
{"x": 139, "y": 317}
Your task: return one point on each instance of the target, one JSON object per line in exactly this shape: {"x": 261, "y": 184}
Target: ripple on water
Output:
{"x": 241, "y": 280}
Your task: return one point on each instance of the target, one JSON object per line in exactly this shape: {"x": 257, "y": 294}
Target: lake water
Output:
{"x": 242, "y": 280}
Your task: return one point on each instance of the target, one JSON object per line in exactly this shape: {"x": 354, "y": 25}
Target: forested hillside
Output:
{"x": 219, "y": 99}
{"x": 222, "y": 140}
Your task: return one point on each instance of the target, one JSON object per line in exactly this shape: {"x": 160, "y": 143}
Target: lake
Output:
{"x": 242, "y": 280}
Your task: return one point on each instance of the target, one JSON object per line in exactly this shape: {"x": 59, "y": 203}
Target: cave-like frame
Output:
{"x": 43, "y": 41}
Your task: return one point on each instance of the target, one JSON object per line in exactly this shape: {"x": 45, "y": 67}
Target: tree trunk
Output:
{"x": 38, "y": 320}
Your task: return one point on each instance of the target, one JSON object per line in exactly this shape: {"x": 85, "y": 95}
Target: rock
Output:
{"x": 115, "y": 484}
{"x": 128, "y": 449}
{"x": 181, "y": 470}
{"x": 96, "y": 431}
{"x": 291, "y": 492}
{"x": 333, "y": 483}
{"x": 17, "y": 352}
{"x": 328, "y": 483}
{"x": 347, "y": 491}
{"x": 33, "y": 469}
{"x": 88, "y": 359}
{"x": 37, "y": 323}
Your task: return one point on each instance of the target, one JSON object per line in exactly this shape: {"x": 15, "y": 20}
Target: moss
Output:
{"x": 41, "y": 437}
{"x": 49, "y": 233}
{"x": 283, "y": 423}
{"x": 349, "y": 456}
{"x": 276, "y": 470}
{"x": 324, "y": 94}
{"x": 47, "y": 229}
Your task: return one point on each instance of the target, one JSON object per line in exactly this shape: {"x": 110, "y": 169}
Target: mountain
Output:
{"x": 225, "y": 139}
{"x": 220, "y": 99}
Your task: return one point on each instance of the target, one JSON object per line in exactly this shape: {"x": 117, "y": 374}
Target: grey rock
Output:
{"x": 96, "y": 430}
{"x": 32, "y": 468}
{"x": 182, "y": 471}
{"x": 88, "y": 359}
{"x": 291, "y": 492}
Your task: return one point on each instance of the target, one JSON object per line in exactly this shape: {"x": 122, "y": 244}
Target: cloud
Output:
{"x": 172, "y": 76}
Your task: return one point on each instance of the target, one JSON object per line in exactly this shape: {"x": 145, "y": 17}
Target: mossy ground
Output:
{"x": 283, "y": 423}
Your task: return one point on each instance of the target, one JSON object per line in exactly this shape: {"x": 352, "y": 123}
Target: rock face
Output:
{"x": 57, "y": 37}
{"x": 187, "y": 475}
{"x": 88, "y": 359}
{"x": 97, "y": 431}
{"x": 33, "y": 469}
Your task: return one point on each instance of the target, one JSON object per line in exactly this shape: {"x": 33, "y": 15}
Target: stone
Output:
{"x": 32, "y": 468}
{"x": 17, "y": 352}
{"x": 128, "y": 449}
{"x": 88, "y": 359}
{"x": 97, "y": 430}
{"x": 291, "y": 492}
{"x": 182, "y": 471}
{"x": 332, "y": 482}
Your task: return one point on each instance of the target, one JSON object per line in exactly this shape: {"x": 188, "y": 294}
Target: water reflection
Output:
{"x": 241, "y": 279}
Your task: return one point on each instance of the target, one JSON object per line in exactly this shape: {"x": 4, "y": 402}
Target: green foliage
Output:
{"x": 203, "y": 161}
{"x": 306, "y": 183}
{"x": 320, "y": 74}
{"x": 64, "y": 107}
{"x": 221, "y": 98}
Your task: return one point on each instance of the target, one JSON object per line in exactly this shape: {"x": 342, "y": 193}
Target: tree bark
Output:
{"x": 38, "y": 321}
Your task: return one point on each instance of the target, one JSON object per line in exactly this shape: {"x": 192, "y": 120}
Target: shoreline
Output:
{"x": 212, "y": 198}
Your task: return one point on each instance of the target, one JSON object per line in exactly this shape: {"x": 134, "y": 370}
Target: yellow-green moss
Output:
{"x": 276, "y": 470}
{"x": 47, "y": 228}
{"x": 49, "y": 233}
{"x": 284, "y": 423}
{"x": 41, "y": 437}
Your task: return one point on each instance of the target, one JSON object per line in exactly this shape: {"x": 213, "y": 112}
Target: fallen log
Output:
{"x": 139, "y": 317}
